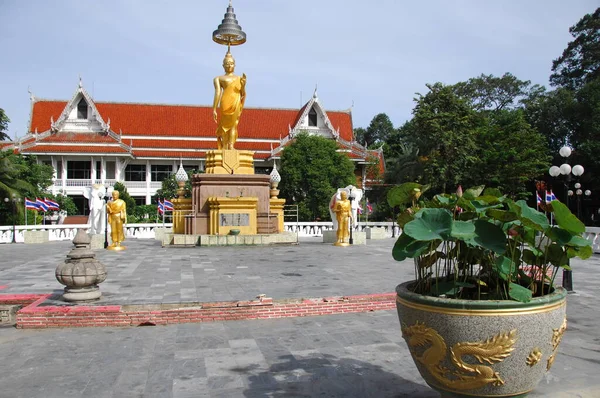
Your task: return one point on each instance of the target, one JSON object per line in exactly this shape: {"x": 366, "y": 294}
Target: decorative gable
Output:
{"x": 80, "y": 115}
{"x": 313, "y": 120}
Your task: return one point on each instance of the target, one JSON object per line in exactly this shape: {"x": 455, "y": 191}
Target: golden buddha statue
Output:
{"x": 230, "y": 95}
{"x": 343, "y": 212}
{"x": 117, "y": 216}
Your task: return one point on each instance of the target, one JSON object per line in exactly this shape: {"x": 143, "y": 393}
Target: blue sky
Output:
{"x": 374, "y": 55}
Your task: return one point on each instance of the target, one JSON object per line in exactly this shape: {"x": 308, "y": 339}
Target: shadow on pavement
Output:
{"x": 329, "y": 376}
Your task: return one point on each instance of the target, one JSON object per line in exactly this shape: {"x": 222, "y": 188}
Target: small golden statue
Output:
{"x": 230, "y": 95}
{"x": 343, "y": 212}
{"x": 117, "y": 216}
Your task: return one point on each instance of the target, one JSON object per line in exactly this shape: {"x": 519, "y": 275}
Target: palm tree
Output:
{"x": 405, "y": 167}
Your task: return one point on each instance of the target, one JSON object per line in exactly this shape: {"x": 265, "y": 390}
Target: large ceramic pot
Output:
{"x": 486, "y": 348}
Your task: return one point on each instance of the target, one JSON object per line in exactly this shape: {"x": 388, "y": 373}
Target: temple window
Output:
{"x": 312, "y": 117}
{"x": 82, "y": 109}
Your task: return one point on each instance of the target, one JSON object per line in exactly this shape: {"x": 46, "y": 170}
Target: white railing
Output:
{"x": 147, "y": 230}
{"x": 68, "y": 231}
{"x": 86, "y": 182}
{"x": 317, "y": 228}
{"x": 135, "y": 184}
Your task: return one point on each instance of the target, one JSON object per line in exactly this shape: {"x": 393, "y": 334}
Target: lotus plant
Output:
{"x": 482, "y": 245}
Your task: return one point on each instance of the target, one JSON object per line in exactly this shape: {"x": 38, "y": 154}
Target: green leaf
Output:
{"x": 444, "y": 287}
{"x": 529, "y": 257}
{"x": 430, "y": 224}
{"x": 556, "y": 255}
{"x": 502, "y": 215}
{"x": 490, "y": 236}
{"x": 504, "y": 266}
{"x": 445, "y": 199}
{"x": 407, "y": 247}
{"x": 473, "y": 192}
{"x": 467, "y": 215}
{"x": 492, "y": 192}
{"x": 482, "y": 204}
{"x": 565, "y": 219}
{"x": 463, "y": 230}
{"x": 582, "y": 252}
{"x": 531, "y": 217}
{"x": 405, "y": 217}
{"x": 403, "y": 194}
{"x": 519, "y": 293}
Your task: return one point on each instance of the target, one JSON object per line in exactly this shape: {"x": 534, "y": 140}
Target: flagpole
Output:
{"x": 25, "y": 214}
{"x": 163, "y": 215}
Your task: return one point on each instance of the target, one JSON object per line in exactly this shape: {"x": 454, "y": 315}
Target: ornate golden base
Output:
{"x": 116, "y": 248}
{"x": 341, "y": 244}
{"x": 229, "y": 161}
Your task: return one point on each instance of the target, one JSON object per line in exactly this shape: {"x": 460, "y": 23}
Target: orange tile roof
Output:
{"x": 186, "y": 120}
{"x": 40, "y": 148}
{"x": 79, "y": 138}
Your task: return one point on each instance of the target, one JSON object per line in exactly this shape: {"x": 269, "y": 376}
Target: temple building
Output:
{"x": 91, "y": 142}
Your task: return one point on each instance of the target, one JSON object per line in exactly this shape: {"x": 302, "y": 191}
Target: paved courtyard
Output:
{"x": 349, "y": 355}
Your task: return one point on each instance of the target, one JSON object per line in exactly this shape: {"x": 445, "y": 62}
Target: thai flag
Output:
{"x": 42, "y": 206}
{"x": 369, "y": 207}
{"x": 161, "y": 207}
{"x": 548, "y": 197}
{"x": 52, "y": 205}
{"x": 538, "y": 198}
{"x": 31, "y": 204}
{"x": 167, "y": 205}
{"x": 359, "y": 210}
{"x": 552, "y": 196}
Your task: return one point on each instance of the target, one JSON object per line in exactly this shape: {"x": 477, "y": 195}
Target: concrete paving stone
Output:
{"x": 345, "y": 355}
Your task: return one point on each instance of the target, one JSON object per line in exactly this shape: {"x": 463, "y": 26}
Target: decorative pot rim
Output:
{"x": 416, "y": 300}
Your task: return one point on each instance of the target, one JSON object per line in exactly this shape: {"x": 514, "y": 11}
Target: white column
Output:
{"x": 93, "y": 170}
{"x": 117, "y": 169}
{"x": 148, "y": 179}
{"x": 53, "y": 162}
{"x": 64, "y": 174}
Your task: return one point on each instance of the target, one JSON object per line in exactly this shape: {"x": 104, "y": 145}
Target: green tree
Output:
{"x": 445, "y": 132}
{"x": 311, "y": 171}
{"x": 4, "y": 120}
{"x": 487, "y": 92}
{"x": 580, "y": 61}
{"x": 123, "y": 194}
{"x": 379, "y": 130}
{"x": 510, "y": 154}
{"x": 169, "y": 187}
{"x": 11, "y": 175}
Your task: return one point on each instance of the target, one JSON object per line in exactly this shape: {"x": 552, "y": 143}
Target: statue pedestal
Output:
{"x": 232, "y": 213}
{"x": 229, "y": 161}
{"x": 214, "y": 194}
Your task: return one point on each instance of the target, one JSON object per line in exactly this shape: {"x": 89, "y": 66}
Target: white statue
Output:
{"x": 95, "y": 195}
{"x": 356, "y": 193}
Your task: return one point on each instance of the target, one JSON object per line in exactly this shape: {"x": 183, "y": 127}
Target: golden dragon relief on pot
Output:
{"x": 467, "y": 376}
{"x": 557, "y": 335}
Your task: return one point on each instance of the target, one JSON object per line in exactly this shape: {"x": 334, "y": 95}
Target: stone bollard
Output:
{"x": 81, "y": 272}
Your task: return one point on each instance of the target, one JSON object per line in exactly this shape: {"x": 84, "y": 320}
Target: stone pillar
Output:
{"x": 182, "y": 207}
{"x": 276, "y": 206}
{"x": 81, "y": 272}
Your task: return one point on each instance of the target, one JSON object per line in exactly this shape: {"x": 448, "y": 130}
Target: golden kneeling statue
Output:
{"x": 230, "y": 94}
{"x": 343, "y": 213}
{"x": 117, "y": 216}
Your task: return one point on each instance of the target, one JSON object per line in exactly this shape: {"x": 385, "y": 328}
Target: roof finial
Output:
{"x": 229, "y": 3}
{"x": 315, "y": 93}
{"x": 80, "y": 82}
